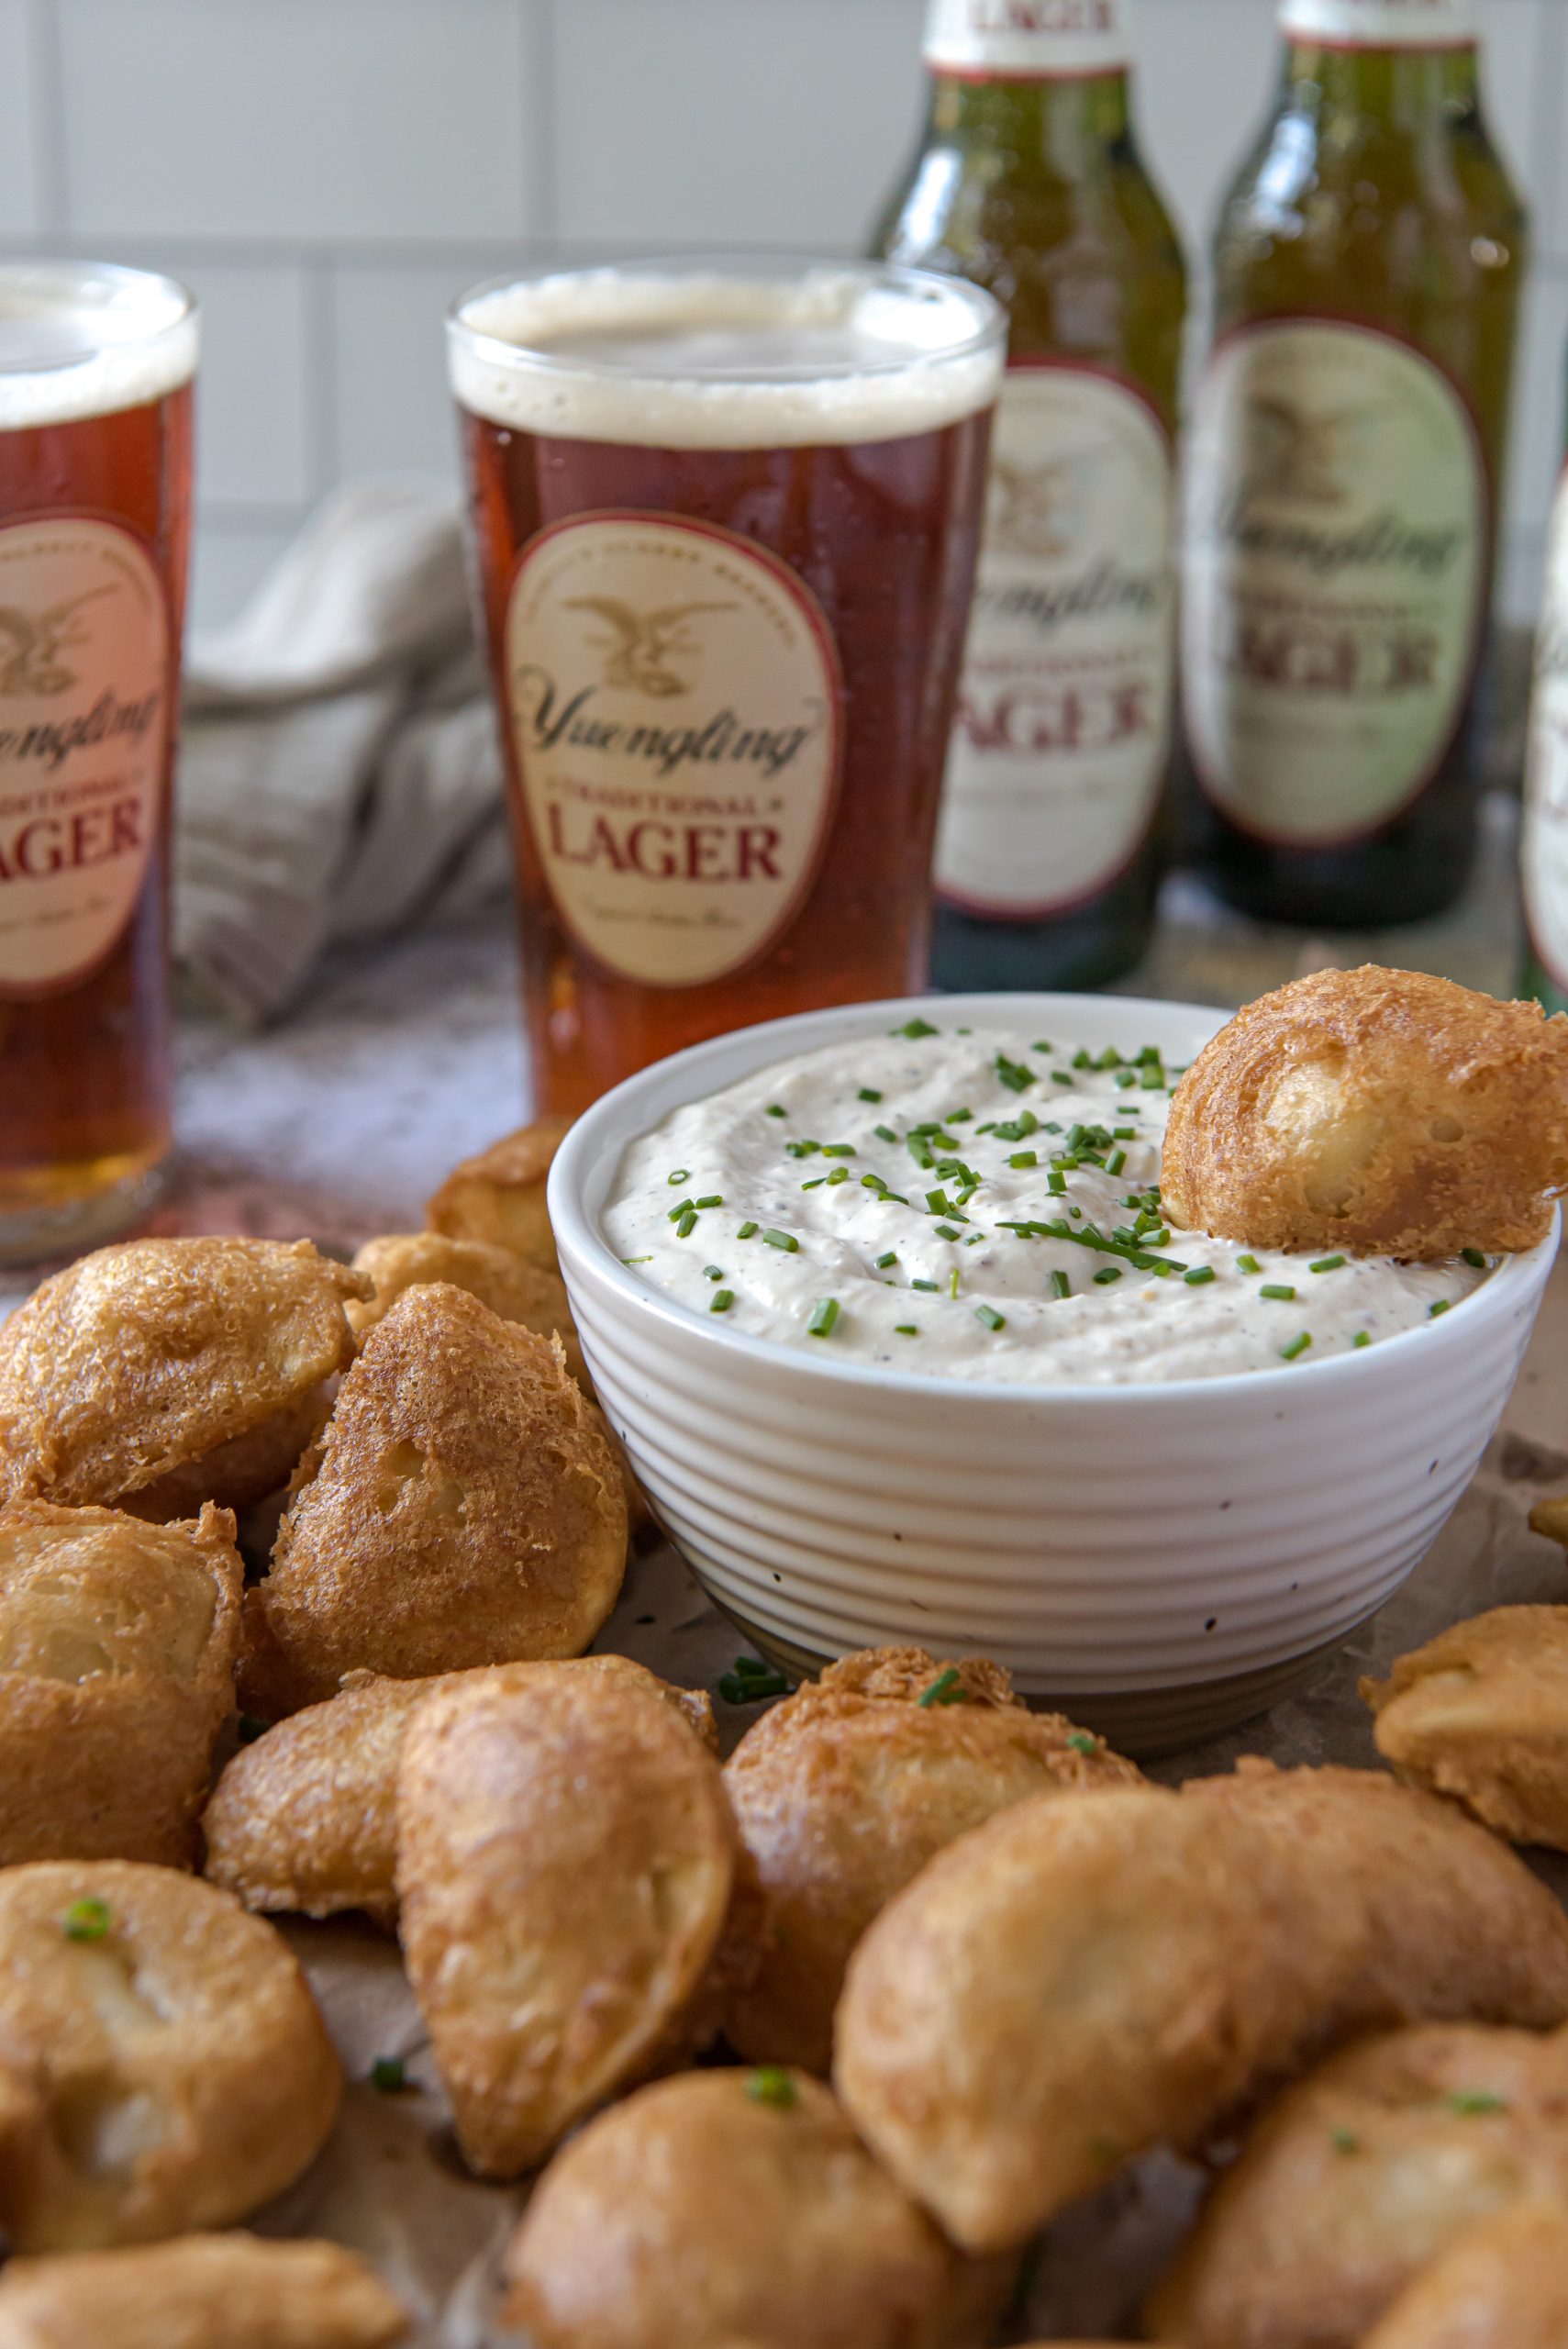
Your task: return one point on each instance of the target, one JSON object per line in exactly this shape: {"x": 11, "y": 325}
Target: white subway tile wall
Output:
{"x": 328, "y": 173}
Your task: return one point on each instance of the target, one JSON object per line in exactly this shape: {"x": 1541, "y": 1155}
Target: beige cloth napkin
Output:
{"x": 339, "y": 774}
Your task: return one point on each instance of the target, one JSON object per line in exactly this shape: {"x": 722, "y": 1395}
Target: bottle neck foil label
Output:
{"x": 1545, "y": 854}
{"x": 86, "y": 685}
{"x": 1380, "y": 24}
{"x": 1336, "y": 537}
{"x": 1063, "y": 737}
{"x": 675, "y": 700}
{"x": 1027, "y": 39}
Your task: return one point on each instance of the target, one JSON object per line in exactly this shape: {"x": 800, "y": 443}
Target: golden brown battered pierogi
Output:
{"x": 1361, "y": 2175}
{"x": 463, "y": 1507}
{"x": 847, "y": 1788}
{"x": 165, "y": 2067}
{"x": 1163, "y": 1956}
{"x": 499, "y": 1195}
{"x": 534, "y": 1295}
{"x": 118, "y": 1641}
{"x": 566, "y": 1868}
{"x": 306, "y": 1817}
{"x": 1382, "y": 1110}
{"x": 728, "y": 2208}
{"x": 161, "y": 1374}
{"x": 1502, "y": 2286}
{"x": 228, "y": 2291}
{"x": 1481, "y": 1714}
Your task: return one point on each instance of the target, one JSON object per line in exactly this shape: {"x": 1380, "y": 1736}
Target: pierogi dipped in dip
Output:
{"x": 980, "y": 1203}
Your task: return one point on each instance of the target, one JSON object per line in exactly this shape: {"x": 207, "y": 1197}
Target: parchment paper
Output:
{"x": 391, "y": 2185}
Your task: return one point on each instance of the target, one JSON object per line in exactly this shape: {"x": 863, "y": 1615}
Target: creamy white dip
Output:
{"x": 865, "y": 1199}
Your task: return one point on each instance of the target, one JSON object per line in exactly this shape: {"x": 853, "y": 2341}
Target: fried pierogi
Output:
{"x": 1551, "y": 1518}
{"x": 1163, "y": 1956}
{"x": 727, "y": 2207}
{"x": 534, "y": 1295}
{"x": 464, "y": 1507}
{"x": 228, "y": 2291}
{"x": 847, "y": 1788}
{"x": 118, "y": 1641}
{"x": 1502, "y": 2286}
{"x": 566, "y": 1862}
{"x": 1481, "y": 1714}
{"x": 166, "y": 2067}
{"x": 163, "y": 1373}
{"x": 1358, "y": 2177}
{"x": 306, "y": 1817}
{"x": 499, "y": 1195}
{"x": 1382, "y": 1110}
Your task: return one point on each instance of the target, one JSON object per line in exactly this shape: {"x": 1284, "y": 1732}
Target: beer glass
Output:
{"x": 726, "y": 516}
{"x": 96, "y": 373}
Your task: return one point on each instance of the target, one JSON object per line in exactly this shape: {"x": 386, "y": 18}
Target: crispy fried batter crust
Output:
{"x": 117, "y": 1642}
{"x": 565, "y": 1865}
{"x": 228, "y": 2291}
{"x": 499, "y": 1195}
{"x": 846, "y": 1789}
{"x": 140, "y": 1358}
{"x": 1162, "y": 1957}
{"x": 534, "y": 1295}
{"x": 1551, "y": 1518}
{"x": 306, "y": 1817}
{"x": 1382, "y": 1111}
{"x": 696, "y": 2213}
{"x": 1502, "y": 2286}
{"x": 180, "y": 2071}
{"x": 1358, "y": 2177}
{"x": 1481, "y": 1714}
{"x": 464, "y": 1507}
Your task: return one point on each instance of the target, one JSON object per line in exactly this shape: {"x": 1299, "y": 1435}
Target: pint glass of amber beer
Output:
{"x": 96, "y": 369}
{"x": 726, "y": 516}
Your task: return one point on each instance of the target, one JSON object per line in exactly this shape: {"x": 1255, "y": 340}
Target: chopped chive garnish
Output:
{"x": 1109, "y": 1058}
{"x": 952, "y": 1282}
{"x": 1039, "y": 1046}
{"x": 888, "y": 1256}
{"x": 713, "y": 1271}
{"x": 1296, "y": 1346}
{"x": 713, "y": 1199}
{"x": 1443, "y": 1304}
{"x": 1115, "y": 1161}
{"x": 1107, "y": 1274}
{"x": 1126, "y": 1079}
{"x": 1056, "y": 1181}
{"x": 1475, "y": 1256}
{"x": 681, "y": 1206}
{"x": 1280, "y": 1292}
{"x": 747, "y": 1232}
{"x": 906, "y": 1329}
{"x": 991, "y": 1319}
{"x": 1344, "y": 2141}
{"x": 925, "y": 1284}
{"x": 721, "y": 1300}
{"x": 1361, "y": 1337}
{"x": 1013, "y": 1074}
{"x": 824, "y": 1316}
{"x": 1080, "y": 1741}
{"x": 86, "y": 1920}
{"x": 1124, "y": 1133}
{"x": 945, "y": 1689}
{"x": 938, "y": 1202}
{"x": 750, "y": 1687}
{"x": 784, "y": 1240}
{"x": 869, "y": 1093}
{"x": 387, "y": 2076}
{"x": 687, "y": 1224}
{"x": 1198, "y": 1274}
{"x": 1060, "y": 1284}
{"x": 802, "y": 1149}
{"x": 1469, "y": 2102}
{"x": 1082, "y": 1058}
{"x": 840, "y": 1174}
{"x": 1248, "y": 1264}
{"x": 837, "y": 1149}
{"x": 958, "y": 1116}
{"x": 772, "y": 2086}
{"x": 947, "y": 1232}
{"x": 1062, "y": 1076}
{"x": 916, "y": 1028}
{"x": 1024, "y": 1158}
{"x": 1325, "y": 1264}
{"x": 884, "y": 1133}
{"x": 775, "y": 1109}
{"x": 681, "y": 1174}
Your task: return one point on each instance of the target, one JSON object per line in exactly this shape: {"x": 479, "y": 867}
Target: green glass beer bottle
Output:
{"x": 1027, "y": 180}
{"x": 1543, "y": 854}
{"x": 1344, "y": 472}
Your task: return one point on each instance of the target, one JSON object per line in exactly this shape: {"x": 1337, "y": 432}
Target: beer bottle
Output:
{"x": 1544, "y": 849}
{"x": 1344, "y": 469}
{"x": 1029, "y": 181}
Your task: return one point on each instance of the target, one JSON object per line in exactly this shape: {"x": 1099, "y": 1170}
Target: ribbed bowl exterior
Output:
{"x": 1106, "y": 1545}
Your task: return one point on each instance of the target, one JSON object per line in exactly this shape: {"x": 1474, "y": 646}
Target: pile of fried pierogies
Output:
{"x": 1020, "y": 1964}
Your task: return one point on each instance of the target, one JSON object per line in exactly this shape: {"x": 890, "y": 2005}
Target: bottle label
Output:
{"x": 84, "y": 690}
{"x": 1027, "y": 39}
{"x": 1545, "y": 850}
{"x": 1336, "y": 552}
{"x": 1062, "y": 734}
{"x": 1380, "y": 24}
{"x": 676, "y": 701}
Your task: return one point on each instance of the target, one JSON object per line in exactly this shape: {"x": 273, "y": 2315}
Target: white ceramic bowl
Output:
{"x": 1161, "y": 1561}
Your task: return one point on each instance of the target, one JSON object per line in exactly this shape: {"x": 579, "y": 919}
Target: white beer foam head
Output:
{"x": 695, "y": 358}
{"x": 80, "y": 338}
